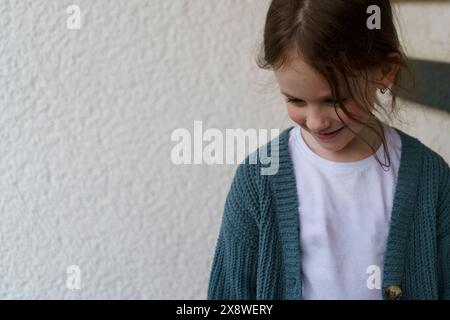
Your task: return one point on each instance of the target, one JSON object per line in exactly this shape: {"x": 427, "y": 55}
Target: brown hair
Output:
{"x": 332, "y": 36}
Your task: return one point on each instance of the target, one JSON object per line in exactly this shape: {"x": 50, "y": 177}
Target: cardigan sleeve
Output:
{"x": 233, "y": 270}
{"x": 444, "y": 235}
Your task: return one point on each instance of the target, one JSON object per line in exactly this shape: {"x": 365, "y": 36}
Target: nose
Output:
{"x": 317, "y": 121}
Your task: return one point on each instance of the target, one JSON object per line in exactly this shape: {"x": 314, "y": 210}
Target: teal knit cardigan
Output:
{"x": 258, "y": 254}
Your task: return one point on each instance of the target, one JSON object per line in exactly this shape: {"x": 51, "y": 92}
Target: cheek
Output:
{"x": 295, "y": 113}
{"x": 355, "y": 112}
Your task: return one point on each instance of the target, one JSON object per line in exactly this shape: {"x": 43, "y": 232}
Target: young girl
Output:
{"x": 357, "y": 209}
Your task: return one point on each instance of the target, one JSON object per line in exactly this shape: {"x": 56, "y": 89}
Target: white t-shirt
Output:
{"x": 344, "y": 212}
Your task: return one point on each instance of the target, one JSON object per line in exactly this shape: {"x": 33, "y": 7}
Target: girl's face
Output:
{"x": 310, "y": 105}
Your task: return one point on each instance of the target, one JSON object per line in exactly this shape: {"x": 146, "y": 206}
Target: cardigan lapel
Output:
{"x": 402, "y": 211}
{"x": 286, "y": 208}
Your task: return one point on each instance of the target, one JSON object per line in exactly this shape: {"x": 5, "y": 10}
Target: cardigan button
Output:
{"x": 393, "y": 292}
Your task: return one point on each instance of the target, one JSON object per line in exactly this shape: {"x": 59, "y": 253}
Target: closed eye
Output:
{"x": 328, "y": 101}
{"x": 331, "y": 101}
{"x": 296, "y": 101}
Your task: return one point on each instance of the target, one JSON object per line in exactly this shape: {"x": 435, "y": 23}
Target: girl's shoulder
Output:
{"x": 432, "y": 163}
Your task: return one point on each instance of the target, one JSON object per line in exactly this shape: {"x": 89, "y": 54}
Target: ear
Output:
{"x": 389, "y": 69}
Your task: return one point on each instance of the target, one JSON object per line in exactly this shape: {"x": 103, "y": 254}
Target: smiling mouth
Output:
{"x": 329, "y": 136}
{"x": 331, "y": 132}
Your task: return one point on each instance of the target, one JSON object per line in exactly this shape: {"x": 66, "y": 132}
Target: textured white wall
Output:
{"x": 86, "y": 177}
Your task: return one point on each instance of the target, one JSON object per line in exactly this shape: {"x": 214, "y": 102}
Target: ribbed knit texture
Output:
{"x": 258, "y": 254}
